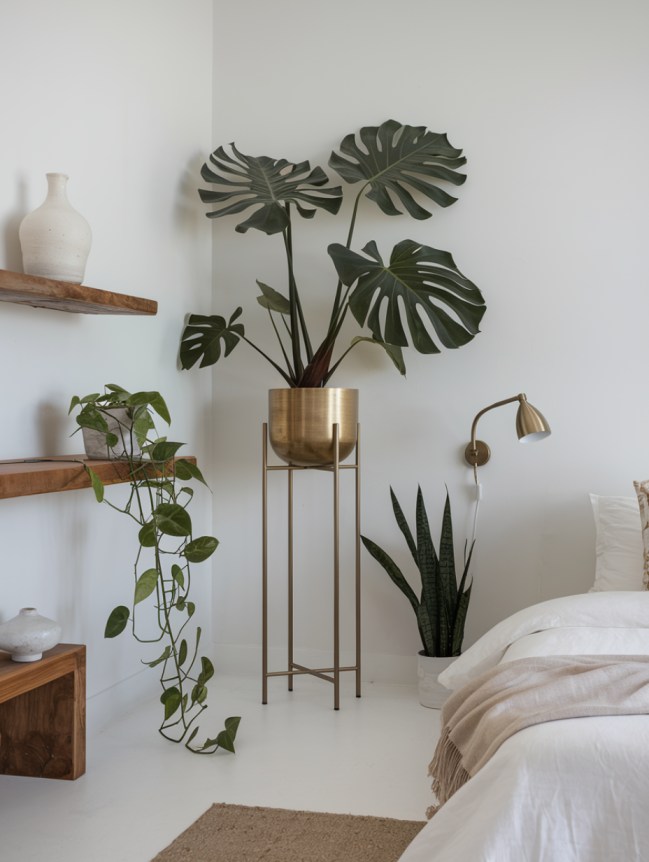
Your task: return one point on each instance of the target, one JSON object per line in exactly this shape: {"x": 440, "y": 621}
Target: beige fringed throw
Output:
{"x": 480, "y": 716}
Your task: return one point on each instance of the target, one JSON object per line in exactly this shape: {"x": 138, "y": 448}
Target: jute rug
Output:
{"x": 237, "y": 833}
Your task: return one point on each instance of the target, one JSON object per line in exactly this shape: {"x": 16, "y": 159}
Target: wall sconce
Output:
{"x": 530, "y": 425}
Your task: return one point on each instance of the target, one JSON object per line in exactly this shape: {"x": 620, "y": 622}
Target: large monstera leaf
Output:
{"x": 423, "y": 279}
{"x": 392, "y": 159}
{"x": 267, "y": 185}
{"x": 207, "y": 336}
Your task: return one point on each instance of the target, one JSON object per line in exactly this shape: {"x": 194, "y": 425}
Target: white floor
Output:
{"x": 140, "y": 792}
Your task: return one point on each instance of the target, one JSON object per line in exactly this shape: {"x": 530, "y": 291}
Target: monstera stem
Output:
{"x": 340, "y": 303}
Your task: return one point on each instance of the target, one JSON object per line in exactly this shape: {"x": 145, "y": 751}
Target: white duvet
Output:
{"x": 574, "y": 790}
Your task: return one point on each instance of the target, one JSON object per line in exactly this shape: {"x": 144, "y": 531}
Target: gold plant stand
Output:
{"x": 330, "y": 674}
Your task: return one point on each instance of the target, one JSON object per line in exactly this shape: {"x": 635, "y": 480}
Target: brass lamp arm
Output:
{"x": 477, "y": 453}
{"x": 474, "y": 426}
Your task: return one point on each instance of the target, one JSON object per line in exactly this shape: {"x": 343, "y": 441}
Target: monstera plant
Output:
{"x": 415, "y": 297}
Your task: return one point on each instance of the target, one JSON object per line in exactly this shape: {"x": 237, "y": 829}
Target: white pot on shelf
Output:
{"x": 432, "y": 694}
{"x": 28, "y": 635}
{"x": 55, "y": 239}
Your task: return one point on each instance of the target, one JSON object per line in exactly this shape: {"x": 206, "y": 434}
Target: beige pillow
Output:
{"x": 642, "y": 490}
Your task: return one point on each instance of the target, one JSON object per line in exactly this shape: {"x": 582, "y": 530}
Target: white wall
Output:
{"x": 118, "y": 96}
{"x": 548, "y": 101}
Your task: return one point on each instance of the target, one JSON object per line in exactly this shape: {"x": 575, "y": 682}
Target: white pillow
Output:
{"x": 642, "y": 490}
{"x": 629, "y": 610}
{"x": 618, "y": 544}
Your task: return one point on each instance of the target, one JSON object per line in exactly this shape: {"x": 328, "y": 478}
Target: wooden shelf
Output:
{"x": 65, "y": 296}
{"x": 22, "y": 478}
{"x": 43, "y": 714}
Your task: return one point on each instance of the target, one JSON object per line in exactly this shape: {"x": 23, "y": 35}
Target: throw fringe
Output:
{"x": 446, "y": 770}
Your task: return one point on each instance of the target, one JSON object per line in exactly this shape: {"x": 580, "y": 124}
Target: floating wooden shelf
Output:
{"x": 43, "y": 714}
{"x": 22, "y": 478}
{"x": 65, "y": 296}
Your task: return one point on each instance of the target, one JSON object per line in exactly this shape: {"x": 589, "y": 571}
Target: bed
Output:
{"x": 568, "y": 790}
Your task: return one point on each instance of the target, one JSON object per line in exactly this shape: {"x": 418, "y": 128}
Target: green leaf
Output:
{"x": 207, "y": 670}
{"x": 200, "y": 549}
{"x": 394, "y": 159}
{"x": 424, "y": 281}
{"x": 202, "y": 337}
{"x": 153, "y": 400}
{"x": 163, "y": 450}
{"x": 117, "y": 621}
{"x": 394, "y": 353}
{"x": 226, "y": 737}
{"x": 148, "y": 535}
{"x": 165, "y": 655}
{"x": 199, "y": 693}
{"x": 75, "y": 401}
{"x": 186, "y": 470}
{"x": 97, "y": 484}
{"x": 182, "y": 652}
{"x": 267, "y": 184}
{"x": 180, "y": 604}
{"x": 402, "y": 523}
{"x": 178, "y": 575}
{"x": 272, "y": 300}
{"x": 145, "y": 585}
{"x": 172, "y": 520}
{"x": 393, "y": 571}
{"x": 170, "y": 698}
{"x": 190, "y": 607}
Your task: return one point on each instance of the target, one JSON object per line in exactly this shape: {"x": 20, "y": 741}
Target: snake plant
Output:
{"x": 442, "y": 606}
{"x": 417, "y": 288}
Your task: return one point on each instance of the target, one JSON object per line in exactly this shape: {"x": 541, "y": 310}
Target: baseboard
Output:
{"x": 114, "y": 702}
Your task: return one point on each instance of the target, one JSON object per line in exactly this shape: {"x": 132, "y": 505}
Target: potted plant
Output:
{"x": 443, "y": 603}
{"x": 158, "y": 505}
{"x": 419, "y": 289}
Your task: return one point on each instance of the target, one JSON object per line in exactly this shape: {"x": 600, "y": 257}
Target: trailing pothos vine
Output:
{"x": 158, "y": 504}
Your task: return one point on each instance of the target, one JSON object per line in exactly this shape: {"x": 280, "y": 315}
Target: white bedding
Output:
{"x": 566, "y": 791}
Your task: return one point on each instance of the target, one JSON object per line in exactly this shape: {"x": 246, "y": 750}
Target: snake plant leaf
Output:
{"x": 273, "y": 300}
{"x": 447, "y": 559}
{"x": 432, "y": 595}
{"x": 267, "y": 184}
{"x": 393, "y": 158}
{"x": 202, "y": 337}
{"x": 403, "y": 525}
{"x": 393, "y": 571}
{"x": 460, "y": 619}
{"x": 422, "y": 279}
{"x": 427, "y": 632}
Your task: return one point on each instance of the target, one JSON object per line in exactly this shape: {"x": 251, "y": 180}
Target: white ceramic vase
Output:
{"x": 55, "y": 239}
{"x": 28, "y": 635}
{"x": 432, "y": 693}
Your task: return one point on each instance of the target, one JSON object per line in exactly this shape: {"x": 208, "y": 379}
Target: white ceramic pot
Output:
{"x": 119, "y": 423}
{"x": 55, "y": 239}
{"x": 28, "y": 635}
{"x": 432, "y": 693}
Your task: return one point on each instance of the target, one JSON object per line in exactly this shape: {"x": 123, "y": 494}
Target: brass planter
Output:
{"x": 300, "y": 424}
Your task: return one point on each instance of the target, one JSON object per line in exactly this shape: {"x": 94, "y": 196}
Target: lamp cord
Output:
{"x": 478, "y": 498}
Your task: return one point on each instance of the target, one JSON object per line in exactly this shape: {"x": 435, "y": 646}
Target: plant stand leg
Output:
{"x": 264, "y": 567}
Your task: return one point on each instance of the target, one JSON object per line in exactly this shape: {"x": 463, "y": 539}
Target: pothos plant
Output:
{"x": 419, "y": 289}
{"x": 158, "y": 506}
